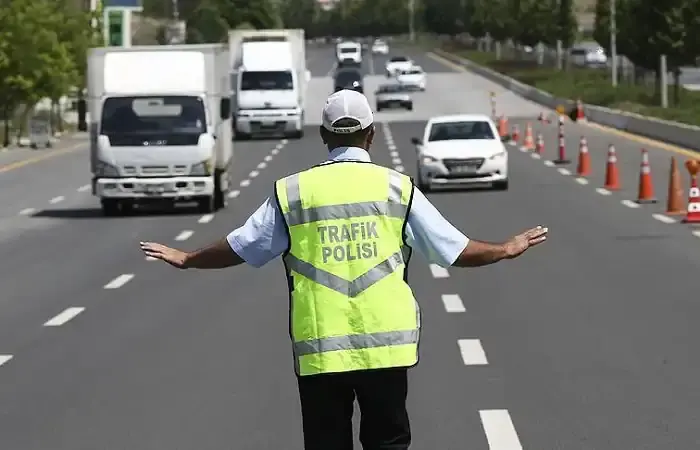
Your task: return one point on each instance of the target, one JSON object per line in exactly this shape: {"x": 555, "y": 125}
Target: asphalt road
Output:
{"x": 586, "y": 343}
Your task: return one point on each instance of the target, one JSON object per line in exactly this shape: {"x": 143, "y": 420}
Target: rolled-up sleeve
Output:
{"x": 431, "y": 234}
{"x": 263, "y": 237}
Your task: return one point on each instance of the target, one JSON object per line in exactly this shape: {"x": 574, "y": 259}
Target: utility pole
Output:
{"x": 613, "y": 42}
{"x": 411, "y": 20}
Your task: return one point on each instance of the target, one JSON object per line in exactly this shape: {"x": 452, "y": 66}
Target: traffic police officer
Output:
{"x": 345, "y": 229}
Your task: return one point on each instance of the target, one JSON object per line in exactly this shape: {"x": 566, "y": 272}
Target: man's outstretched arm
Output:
{"x": 218, "y": 255}
{"x": 479, "y": 253}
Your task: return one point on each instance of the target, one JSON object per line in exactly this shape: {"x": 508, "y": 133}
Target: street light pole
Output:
{"x": 613, "y": 42}
{"x": 411, "y": 20}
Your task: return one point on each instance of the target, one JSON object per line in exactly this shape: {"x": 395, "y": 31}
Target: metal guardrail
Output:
{"x": 677, "y": 133}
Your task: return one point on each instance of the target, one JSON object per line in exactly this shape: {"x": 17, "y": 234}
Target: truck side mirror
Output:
{"x": 225, "y": 108}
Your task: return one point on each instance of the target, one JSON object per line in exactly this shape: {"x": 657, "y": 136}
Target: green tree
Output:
{"x": 601, "y": 30}
{"x": 206, "y": 24}
{"x": 534, "y": 22}
{"x": 566, "y": 23}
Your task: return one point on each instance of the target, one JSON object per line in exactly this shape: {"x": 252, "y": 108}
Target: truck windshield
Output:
{"x": 128, "y": 121}
{"x": 267, "y": 81}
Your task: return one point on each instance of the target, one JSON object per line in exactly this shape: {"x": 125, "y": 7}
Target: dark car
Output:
{"x": 348, "y": 79}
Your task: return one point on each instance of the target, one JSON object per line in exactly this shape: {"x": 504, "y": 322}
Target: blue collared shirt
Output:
{"x": 264, "y": 237}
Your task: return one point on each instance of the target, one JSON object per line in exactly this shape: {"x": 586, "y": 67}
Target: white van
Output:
{"x": 348, "y": 53}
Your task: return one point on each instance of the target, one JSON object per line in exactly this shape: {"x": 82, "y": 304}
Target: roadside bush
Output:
{"x": 590, "y": 86}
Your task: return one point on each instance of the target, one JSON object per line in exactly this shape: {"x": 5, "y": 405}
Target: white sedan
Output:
{"x": 380, "y": 48}
{"x": 397, "y": 64}
{"x": 461, "y": 150}
{"x": 413, "y": 78}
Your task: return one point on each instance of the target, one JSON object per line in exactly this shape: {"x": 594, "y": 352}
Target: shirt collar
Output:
{"x": 349, "y": 154}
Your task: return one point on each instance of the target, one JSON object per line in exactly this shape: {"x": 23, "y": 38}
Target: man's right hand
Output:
{"x": 517, "y": 245}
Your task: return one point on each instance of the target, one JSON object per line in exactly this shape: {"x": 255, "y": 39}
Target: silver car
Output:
{"x": 393, "y": 96}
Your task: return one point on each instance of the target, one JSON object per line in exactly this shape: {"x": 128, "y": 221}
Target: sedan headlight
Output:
{"x": 202, "y": 169}
{"x": 497, "y": 155}
{"x": 104, "y": 169}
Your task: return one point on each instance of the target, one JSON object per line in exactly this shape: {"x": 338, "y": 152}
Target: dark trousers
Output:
{"x": 327, "y": 405}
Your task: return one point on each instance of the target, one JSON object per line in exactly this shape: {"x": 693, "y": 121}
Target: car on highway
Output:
{"x": 380, "y": 47}
{"x": 397, "y": 64}
{"x": 348, "y": 79}
{"x": 461, "y": 150}
{"x": 349, "y": 54}
{"x": 393, "y": 95}
{"x": 413, "y": 78}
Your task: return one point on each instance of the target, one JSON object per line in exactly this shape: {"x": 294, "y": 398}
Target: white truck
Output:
{"x": 160, "y": 125}
{"x": 269, "y": 79}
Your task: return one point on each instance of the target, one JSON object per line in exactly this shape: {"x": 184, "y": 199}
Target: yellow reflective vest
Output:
{"x": 351, "y": 307}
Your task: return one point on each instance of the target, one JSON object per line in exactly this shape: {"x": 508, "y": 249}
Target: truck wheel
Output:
{"x": 298, "y": 134}
{"x": 206, "y": 204}
{"x": 110, "y": 208}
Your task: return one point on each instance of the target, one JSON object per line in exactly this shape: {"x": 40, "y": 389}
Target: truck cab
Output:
{"x": 160, "y": 126}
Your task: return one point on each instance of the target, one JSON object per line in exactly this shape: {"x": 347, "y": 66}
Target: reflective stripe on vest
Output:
{"x": 337, "y": 352}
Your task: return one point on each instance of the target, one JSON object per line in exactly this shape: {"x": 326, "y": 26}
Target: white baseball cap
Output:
{"x": 347, "y": 104}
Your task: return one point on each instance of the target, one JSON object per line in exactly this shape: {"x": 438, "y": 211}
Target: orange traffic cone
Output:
{"x": 693, "y": 214}
{"x": 612, "y": 175}
{"x": 674, "y": 203}
{"x": 539, "y": 148}
{"x": 503, "y": 126}
{"x": 584, "y": 159}
{"x": 646, "y": 187}
{"x": 529, "y": 141}
{"x": 580, "y": 115}
{"x": 516, "y": 133}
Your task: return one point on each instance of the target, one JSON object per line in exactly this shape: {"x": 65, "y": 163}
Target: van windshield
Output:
{"x": 267, "y": 81}
{"x": 349, "y": 50}
{"x": 175, "y": 120}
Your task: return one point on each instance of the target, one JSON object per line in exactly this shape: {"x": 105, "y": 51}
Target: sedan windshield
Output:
{"x": 460, "y": 130}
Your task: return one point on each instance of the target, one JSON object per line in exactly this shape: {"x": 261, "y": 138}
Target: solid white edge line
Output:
{"x": 234, "y": 194}
{"x": 64, "y": 317}
{"x": 439, "y": 272}
{"x": 183, "y": 236}
{"x": 499, "y": 429}
{"x": 206, "y": 218}
{"x": 58, "y": 199}
{"x": 629, "y": 203}
{"x": 5, "y": 359}
{"x": 120, "y": 281}
{"x": 472, "y": 352}
{"x": 663, "y": 218}
{"x": 453, "y": 303}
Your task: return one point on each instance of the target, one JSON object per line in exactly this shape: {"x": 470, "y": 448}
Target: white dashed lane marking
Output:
{"x": 64, "y": 317}
{"x": 629, "y": 204}
{"x": 663, "y": 218}
{"x": 4, "y": 359}
{"x": 254, "y": 174}
{"x": 58, "y": 199}
{"x": 120, "y": 281}
{"x": 399, "y": 169}
{"x": 581, "y": 181}
{"x": 603, "y": 191}
{"x": 184, "y": 235}
{"x": 27, "y": 211}
{"x": 262, "y": 165}
{"x": 268, "y": 158}
{"x": 696, "y": 233}
{"x": 453, "y": 303}
{"x": 84, "y": 188}
{"x": 549, "y": 164}
{"x": 206, "y": 218}
{"x": 564, "y": 171}
{"x": 439, "y": 272}
{"x": 234, "y": 194}
{"x": 499, "y": 429}
{"x": 245, "y": 183}
{"x": 472, "y": 352}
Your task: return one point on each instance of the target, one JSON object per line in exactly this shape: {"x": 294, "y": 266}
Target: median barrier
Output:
{"x": 684, "y": 135}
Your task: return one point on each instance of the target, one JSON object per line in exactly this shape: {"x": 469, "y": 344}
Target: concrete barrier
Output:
{"x": 677, "y": 133}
